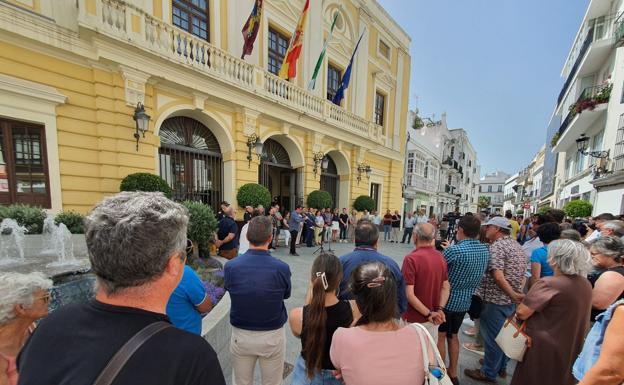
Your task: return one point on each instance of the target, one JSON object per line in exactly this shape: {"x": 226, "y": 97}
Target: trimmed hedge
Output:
{"x": 73, "y": 220}
{"x": 543, "y": 210}
{"x": 142, "y": 181}
{"x": 364, "y": 202}
{"x": 578, "y": 209}
{"x": 253, "y": 194}
{"x": 320, "y": 200}
{"x": 29, "y": 217}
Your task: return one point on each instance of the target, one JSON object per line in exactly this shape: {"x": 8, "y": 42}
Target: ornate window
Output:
{"x": 278, "y": 45}
{"x": 191, "y": 16}
{"x": 191, "y": 161}
{"x": 380, "y": 104}
{"x": 23, "y": 164}
{"x": 334, "y": 77}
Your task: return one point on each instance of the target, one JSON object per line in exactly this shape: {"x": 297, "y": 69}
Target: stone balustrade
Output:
{"x": 116, "y": 19}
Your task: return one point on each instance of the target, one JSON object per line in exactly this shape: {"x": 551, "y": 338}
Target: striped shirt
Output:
{"x": 467, "y": 261}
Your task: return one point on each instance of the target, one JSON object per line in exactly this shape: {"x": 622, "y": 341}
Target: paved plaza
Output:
{"x": 300, "y": 268}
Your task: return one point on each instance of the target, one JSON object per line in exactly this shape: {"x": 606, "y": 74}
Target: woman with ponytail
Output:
{"x": 316, "y": 322}
{"x": 380, "y": 349}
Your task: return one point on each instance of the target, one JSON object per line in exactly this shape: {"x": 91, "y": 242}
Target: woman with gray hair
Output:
{"x": 555, "y": 312}
{"x": 23, "y": 300}
{"x": 607, "y": 255}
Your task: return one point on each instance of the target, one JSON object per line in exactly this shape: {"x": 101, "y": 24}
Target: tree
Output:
{"x": 364, "y": 202}
{"x": 142, "y": 181}
{"x": 578, "y": 209}
{"x": 319, "y": 200}
{"x": 253, "y": 194}
{"x": 484, "y": 202}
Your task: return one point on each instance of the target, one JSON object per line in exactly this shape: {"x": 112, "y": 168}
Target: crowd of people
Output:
{"x": 365, "y": 319}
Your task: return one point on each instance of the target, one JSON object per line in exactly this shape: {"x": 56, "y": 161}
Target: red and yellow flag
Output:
{"x": 289, "y": 66}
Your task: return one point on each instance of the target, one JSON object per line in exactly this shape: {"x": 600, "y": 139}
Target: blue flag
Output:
{"x": 347, "y": 76}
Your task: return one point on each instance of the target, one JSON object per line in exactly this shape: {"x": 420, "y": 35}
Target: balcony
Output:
{"x": 589, "y": 106}
{"x": 423, "y": 184}
{"x": 117, "y": 19}
{"x": 594, "y": 50}
{"x": 618, "y": 154}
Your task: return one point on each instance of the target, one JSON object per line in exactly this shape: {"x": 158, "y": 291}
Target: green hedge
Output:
{"x": 253, "y": 194}
{"x": 578, "y": 209}
{"x": 29, "y": 217}
{"x": 73, "y": 220}
{"x": 543, "y": 210}
{"x": 320, "y": 200}
{"x": 364, "y": 202}
{"x": 142, "y": 181}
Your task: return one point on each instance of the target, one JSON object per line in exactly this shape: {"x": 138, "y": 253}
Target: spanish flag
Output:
{"x": 250, "y": 30}
{"x": 289, "y": 66}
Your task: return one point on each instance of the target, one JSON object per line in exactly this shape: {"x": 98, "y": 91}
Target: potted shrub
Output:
{"x": 319, "y": 200}
{"x": 253, "y": 194}
{"x": 142, "y": 181}
{"x": 364, "y": 202}
{"x": 202, "y": 225}
{"x": 73, "y": 220}
{"x": 578, "y": 209}
{"x": 543, "y": 210}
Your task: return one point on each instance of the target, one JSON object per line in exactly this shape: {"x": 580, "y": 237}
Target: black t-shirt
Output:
{"x": 246, "y": 217}
{"x": 74, "y": 344}
{"x": 338, "y": 316}
{"x": 227, "y": 225}
{"x": 345, "y": 219}
{"x": 396, "y": 221}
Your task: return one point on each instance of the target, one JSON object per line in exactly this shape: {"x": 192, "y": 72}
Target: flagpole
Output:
{"x": 319, "y": 62}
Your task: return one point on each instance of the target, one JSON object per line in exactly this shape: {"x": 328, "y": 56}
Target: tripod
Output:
{"x": 321, "y": 249}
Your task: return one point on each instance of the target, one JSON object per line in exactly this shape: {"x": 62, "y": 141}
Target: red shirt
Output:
{"x": 387, "y": 219}
{"x": 425, "y": 269}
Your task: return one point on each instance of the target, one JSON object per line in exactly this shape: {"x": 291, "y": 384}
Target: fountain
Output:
{"x": 11, "y": 242}
{"x": 63, "y": 247}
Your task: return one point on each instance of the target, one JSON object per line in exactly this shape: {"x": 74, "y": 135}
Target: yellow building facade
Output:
{"x": 73, "y": 71}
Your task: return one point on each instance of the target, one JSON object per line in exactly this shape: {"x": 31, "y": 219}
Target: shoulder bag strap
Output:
{"x": 423, "y": 346}
{"x": 434, "y": 347}
{"x": 114, "y": 366}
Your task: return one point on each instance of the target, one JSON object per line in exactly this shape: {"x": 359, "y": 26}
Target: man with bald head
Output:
{"x": 426, "y": 281}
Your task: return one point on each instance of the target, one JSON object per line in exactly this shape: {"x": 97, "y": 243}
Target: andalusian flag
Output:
{"x": 319, "y": 62}
{"x": 289, "y": 66}
{"x": 250, "y": 30}
{"x": 347, "y": 75}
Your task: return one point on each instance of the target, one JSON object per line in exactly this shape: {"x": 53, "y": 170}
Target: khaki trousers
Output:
{"x": 248, "y": 347}
{"x": 432, "y": 329}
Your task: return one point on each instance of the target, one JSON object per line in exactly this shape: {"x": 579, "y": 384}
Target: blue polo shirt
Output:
{"x": 258, "y": 285}
{"x": 368, "y": 254}
{"x": 541, "y": 256}
{"x": 181, "y": 307}
{"x": 226, "y": 226}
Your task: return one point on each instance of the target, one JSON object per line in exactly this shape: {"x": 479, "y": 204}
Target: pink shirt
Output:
{"x": 373, "y": 358}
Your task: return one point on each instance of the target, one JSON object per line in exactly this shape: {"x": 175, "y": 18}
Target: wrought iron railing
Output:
{"x": 589, "y": 98}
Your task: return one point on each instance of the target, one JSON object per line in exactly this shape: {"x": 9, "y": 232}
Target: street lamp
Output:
{"x": 141, "y": 120}
{"x": 363, "y": 168}
{"x": 253, "y": 142}
{"x": 319, "y": 159}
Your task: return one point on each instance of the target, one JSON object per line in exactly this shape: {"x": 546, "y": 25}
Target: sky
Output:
{"x": 494, "y": 66}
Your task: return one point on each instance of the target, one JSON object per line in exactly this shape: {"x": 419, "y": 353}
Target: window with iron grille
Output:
{"x": 191, "y": 16}
{"x": 334, "y": 77}
{"x": 380, "y": 104}
{"x": 23, "y": 164}
{"x": 278, "y": 45}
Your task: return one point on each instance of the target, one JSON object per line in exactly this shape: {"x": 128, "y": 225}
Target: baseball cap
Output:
{"x": 501, "y": 222}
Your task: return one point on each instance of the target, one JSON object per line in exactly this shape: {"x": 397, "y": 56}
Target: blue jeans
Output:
{"x": 324, "y": 377}
{"x": 492, "y": 319}
{"x": 387, "y": 229}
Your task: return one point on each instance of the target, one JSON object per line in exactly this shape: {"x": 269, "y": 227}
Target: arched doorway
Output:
{"x": 190, "y": 161}
{"x": 330, "y": 181}
{"x": 278, "y": 176}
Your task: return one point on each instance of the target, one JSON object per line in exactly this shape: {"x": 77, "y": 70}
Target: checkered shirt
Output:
{"x": 467, "y": 261}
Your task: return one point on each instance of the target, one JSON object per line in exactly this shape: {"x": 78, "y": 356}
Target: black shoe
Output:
{"x": 294, "y": 254}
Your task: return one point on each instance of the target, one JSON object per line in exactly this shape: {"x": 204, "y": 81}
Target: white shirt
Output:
{"x": 377, "y": 219}
{"x": 593, "y": 236}
{"x": 528, "y": 247}
{"x": 422, "y": 219}
{"x": 243, "y": 242}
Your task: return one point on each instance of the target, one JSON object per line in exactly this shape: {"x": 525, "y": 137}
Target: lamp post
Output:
{"x": 253, "y": 142}
{"x": 363, "y": 168}
{"x": 602, "y": 166}
{"x": 141, "y": 120}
